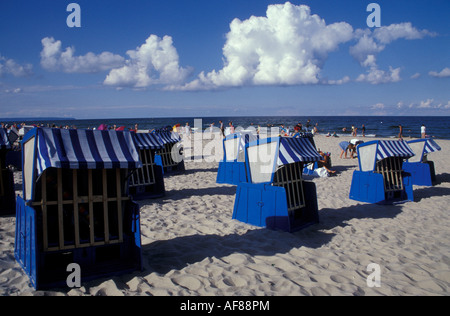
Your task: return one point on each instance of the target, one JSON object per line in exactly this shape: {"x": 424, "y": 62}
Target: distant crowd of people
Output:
{"x": 230, "y": 129}
{"x": 283, "y": 130}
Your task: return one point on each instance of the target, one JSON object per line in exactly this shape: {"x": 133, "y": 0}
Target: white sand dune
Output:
{"x": 192, "y": 246}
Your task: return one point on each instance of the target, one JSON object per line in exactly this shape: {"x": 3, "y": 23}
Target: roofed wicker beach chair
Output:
{"x": 275, "y": 195}
{"x": 7, "y": 193}
{"x": 421, "y": 169}
{"x": 171, "y": 153}
{"x": 75, "y": 206}
{"x": 381, "y": 178}
{"x": 232, "y": 167}
{"x": 147, "y": 182}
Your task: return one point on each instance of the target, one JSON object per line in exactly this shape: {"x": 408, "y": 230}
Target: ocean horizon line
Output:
{"x": 29, "y": 119}
{"x": 380, "y": 126}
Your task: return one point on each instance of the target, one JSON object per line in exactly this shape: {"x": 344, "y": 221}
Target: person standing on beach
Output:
{"x": 231, "y": 127}
{"x": 423, "y": 131}
{"x": 187, "y": 131}
{"x": 222, "y": 129}
{"x": 400, "y": 134}
{"x": 363, "y": 129}
{"x": 315, "y": 130}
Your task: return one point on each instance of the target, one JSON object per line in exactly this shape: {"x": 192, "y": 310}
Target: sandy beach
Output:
{"x": 192, "y": 247}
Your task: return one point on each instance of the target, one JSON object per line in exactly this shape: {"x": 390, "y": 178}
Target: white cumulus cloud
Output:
{"x": 430, "y": 104}
{"x": 286, "y": 47}
{"x": 377, "y": 76}
{"x": 442, "y": 74}
{"x": 53, "y": 58}
{"x": 10, "y": 66}
{"x": 388, "y": 34}
{"x": 370, "y": 43}
{"x": 378, "y": 106}
{"x": 426, "y": 104}
{"x": 154, "y": 62}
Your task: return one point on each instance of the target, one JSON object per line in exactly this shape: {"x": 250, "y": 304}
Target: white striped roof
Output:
{"x": 147, "y": 141}
{"x": 430, "y": 145}
{"x": 167, "y": 137}
{"x": 85, "y": 149}
{"x": 393, "y": 148}
{"x": 297, "y": 150}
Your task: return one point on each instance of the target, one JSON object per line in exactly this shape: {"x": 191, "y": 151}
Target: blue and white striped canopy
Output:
{"x": 371, "y": 152}
{"x": 4, "y": 141}
{"x": 297, "y": 150}
{"x": 265, "y": 156}
{"x": 167, "y": 137}
{"x": 85, "y": 149}
{"x": 175, "y": 136}
{"x": 430, "y": 145}
{"x": 393, "y": 148}
{"x": 147, "y": 141}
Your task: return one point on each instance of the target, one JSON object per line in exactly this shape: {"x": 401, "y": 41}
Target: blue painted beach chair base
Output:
{"x": 158, "y": 162}
{"x": 48, "y": 269}
{"x": 231, "y": 173}
{"x": 168, "y": 169}
{"x": 264, "y": 205}
{"x": 369, "y": 187}
{"x": 153, "y": 191}
{"x": 422, "y": 173}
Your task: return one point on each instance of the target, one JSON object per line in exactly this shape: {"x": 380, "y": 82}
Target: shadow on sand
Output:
{"x": 177, "y": 253}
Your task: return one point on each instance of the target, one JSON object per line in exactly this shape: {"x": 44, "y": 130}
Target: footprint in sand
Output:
{"x": 188, "y": 282}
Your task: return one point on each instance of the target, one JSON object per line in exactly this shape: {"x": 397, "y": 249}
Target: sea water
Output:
{"x": 376, "y": 126}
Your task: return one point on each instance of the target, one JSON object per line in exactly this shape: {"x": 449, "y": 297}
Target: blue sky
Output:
{"x": 145, "y": 58}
